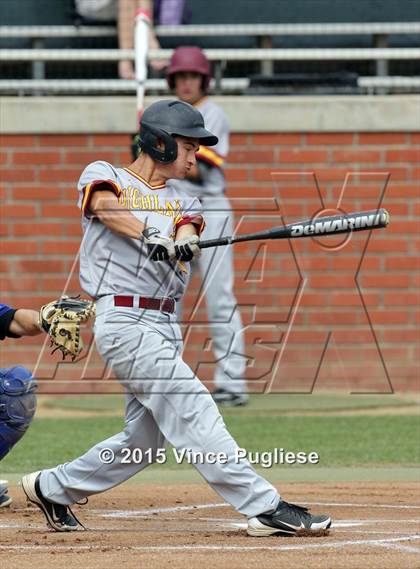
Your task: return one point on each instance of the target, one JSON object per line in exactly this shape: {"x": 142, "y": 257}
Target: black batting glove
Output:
{"x": 159, "y": 248}
{"x": 188, "y": 248}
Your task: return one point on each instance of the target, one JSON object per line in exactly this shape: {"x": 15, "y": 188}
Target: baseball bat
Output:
{"x": 328, "y": 225}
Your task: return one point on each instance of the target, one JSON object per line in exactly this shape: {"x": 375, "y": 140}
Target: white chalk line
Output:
{"x": 148, "y": 511}
{"x": 406, "y": 548}
{"x": 367, "y": 522}
{"x": 351, "y": 505}
{"x": 12, "y": 526}
{"x": 367, "y": 531}
{"x": 19, "y": 525}
{"x": 205, "y": 547}
{"x": 340, "y": 524}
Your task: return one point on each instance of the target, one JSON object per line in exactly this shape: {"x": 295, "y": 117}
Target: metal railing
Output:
{"x": 313, "y": 54}
{"x": 42, "y": 32}
{"x": 255, "y": 30}
{"x": 58, "y": 86}
{"x": 380, "y": 54}
{"x": 370, "y": 84}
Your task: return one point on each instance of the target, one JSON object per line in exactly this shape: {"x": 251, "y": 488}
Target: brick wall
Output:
{"x": 310, "y": 324}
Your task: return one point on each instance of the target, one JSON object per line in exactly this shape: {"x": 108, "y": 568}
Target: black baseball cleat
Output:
{"x": 289, "y": 520}
{"x": 226, "y": 398}
{"x": 59, "y": 517}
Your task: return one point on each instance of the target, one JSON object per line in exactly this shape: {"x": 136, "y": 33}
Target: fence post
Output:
{"x": 38, "y": 67}
{"x": 381, "y": 40}
{"x": 267, "y": 67}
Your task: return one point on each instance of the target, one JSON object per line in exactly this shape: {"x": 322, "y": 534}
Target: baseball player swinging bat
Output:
{"x": 328, "y": 225}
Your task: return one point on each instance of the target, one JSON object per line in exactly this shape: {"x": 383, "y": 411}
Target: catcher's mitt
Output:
{"x": 61, "y": 320}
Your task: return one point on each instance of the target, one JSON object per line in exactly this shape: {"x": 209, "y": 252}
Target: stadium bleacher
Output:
{"x": 321, "y": 46}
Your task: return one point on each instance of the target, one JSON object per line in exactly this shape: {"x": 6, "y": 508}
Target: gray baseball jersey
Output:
{"x": 114, "y": 264}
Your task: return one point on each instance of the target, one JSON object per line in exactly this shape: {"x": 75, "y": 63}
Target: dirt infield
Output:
{"x": 375, "y": 526}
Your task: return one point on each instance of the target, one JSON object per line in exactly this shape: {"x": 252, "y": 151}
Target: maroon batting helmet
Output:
{"x": 189, "y": 58}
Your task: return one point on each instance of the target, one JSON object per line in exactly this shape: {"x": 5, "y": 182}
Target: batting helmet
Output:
{"x": 165, "y": 119}
{"x": 189, "y": 58}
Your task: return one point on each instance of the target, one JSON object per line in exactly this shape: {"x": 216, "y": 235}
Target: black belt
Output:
{"x": 163, "y": 304}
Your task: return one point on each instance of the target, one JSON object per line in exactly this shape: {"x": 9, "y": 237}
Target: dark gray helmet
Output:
{"x": 165, "y": 119}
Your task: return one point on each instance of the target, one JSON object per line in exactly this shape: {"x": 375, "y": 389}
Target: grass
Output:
{"x": 341, "y": 441}
{"x": 262, "y": 404}
{"x": 363, "y": 446}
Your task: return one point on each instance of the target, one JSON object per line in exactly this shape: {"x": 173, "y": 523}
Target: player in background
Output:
{"x": 16, "y": 384}
{"x": 189, "y": 75}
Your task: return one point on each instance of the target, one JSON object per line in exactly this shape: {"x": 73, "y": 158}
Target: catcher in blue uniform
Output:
{"x": 61, "y": 320}
{"x": 17, "y": 386}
